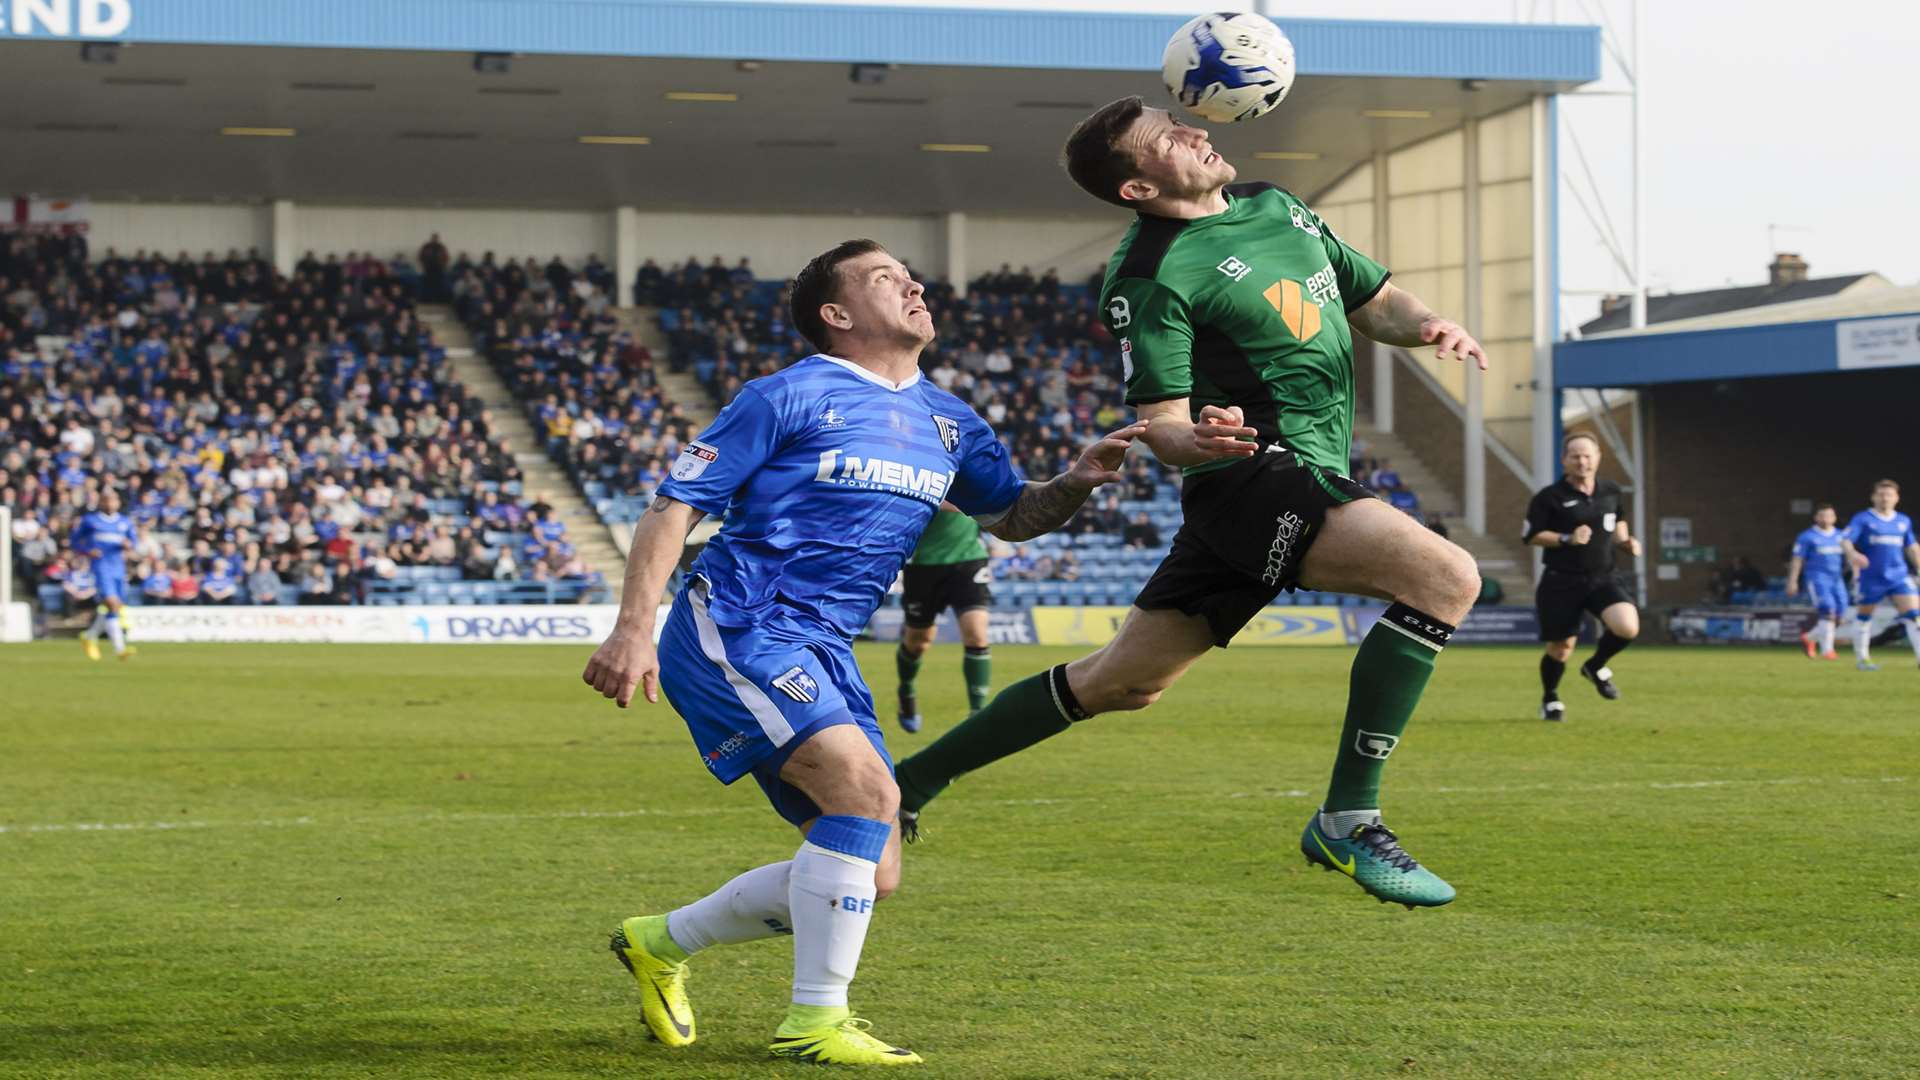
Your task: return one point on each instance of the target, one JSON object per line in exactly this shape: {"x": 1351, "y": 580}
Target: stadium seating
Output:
{"x": 309, "y": 420}
{"x": 197, "y": 373}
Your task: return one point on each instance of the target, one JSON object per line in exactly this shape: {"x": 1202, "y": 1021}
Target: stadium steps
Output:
{"x": 1502, "y": 558}
{"x": 679, "y": 387}
{"x": 541, "y": 479}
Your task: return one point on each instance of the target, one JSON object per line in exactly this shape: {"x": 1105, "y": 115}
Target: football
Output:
{"x": 1227, "y": 67}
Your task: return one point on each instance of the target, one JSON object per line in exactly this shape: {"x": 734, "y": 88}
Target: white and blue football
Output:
{"x": 1229, "y": 66}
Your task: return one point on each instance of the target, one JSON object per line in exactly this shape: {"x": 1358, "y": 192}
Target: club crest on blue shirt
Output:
{"x": 949, "y": 432}
{"x": 831, "y": 420}
{"x": 797, "y": 684}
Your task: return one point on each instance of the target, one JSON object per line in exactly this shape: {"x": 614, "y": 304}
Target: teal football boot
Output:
{"x": 1376, "y": 862}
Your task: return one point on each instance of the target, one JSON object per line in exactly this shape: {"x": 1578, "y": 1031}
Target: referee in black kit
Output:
{"x": 1579, "y": 522}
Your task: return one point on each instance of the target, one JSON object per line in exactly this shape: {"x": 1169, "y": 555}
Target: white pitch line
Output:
{"x": 563, "y": 815}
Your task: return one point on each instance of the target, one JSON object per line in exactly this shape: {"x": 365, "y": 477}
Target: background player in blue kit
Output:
{"x": 827, "y": 472}
{"x": 1817, "y": 555}
{"x": 1879, "y": 542}
{"x": 104, "y": 536}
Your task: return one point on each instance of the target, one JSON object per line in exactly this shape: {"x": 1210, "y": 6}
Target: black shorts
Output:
{"x": 929, "y": 590}
{"x": 1246, "y": 529}
{"x": 1561, "y": 598}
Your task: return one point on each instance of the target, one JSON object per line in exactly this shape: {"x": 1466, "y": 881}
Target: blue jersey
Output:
{"x": 1884, "y": 541}
{"x": 1819, "y": 554}
{"x": 105, "y": 538}
{"x": 827, "y": 474}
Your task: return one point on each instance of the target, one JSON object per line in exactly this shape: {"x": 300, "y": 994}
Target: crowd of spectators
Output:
{"x": 268, "y": 434}
{"x": 588, "y": 387}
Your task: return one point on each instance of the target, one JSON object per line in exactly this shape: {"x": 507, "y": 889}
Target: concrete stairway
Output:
{"x": 541, "y": 478}
{"x": 1503, "y": 558}
{"x": 681, "y": 387}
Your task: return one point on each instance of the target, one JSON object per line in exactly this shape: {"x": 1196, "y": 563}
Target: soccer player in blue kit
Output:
{"x": 1816, "y": 559}
{"x": 1879, "y": 541}
{"x": 104, "y": 537}
{"x": 826, "y": 472}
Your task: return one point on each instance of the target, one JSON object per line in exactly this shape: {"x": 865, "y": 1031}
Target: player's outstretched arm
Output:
{"x": 626, "y": 660}
{"x": 1397, "y": 317}
{"x": 1042, "y": 508}
{"x": 1177, "y": 441}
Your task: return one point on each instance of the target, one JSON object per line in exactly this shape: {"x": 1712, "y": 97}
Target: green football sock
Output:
{"x": 908, "y": 666}
{"x": 977, "y": 666}
{"x": 1389, "y": 673}
{"x": 1018, "y": 717}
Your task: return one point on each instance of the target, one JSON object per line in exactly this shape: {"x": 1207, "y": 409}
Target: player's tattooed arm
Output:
{"x": 1397, "y": 317}
{"x": 1042, "y": 508}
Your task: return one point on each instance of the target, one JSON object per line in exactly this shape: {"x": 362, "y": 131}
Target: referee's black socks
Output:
{"x": 1550, "y": 672}
{"x": 1609, "y": 647}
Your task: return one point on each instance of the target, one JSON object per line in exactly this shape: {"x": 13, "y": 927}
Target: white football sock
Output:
{"x": 830, "y": 900}
{"x": 748, "y": 908}
{"x": 94, "y": 628}
{"x": 1826, "y": 636}
{"x": 1913, "y": 635}
{"x": 1340, "y": 824}
{"x": 1862, "y": 633}
{"x": 115, "y": 634}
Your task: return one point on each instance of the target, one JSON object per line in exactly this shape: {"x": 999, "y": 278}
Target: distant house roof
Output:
{"x": 1694, "y": 305}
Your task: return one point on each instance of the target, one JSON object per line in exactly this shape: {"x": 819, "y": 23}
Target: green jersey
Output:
{"x": 1247, "y": 307}
{"x": 951, "y": 537}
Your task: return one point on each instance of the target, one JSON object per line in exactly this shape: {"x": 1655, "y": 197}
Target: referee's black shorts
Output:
{"x": 1561, "y": 598}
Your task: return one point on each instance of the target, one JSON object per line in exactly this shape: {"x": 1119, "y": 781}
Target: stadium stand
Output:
{"x": 301, "y": 438}
{"x": 305, "y": 438}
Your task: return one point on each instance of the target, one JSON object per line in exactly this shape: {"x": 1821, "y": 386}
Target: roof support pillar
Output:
{"x": 956, "y": 249}
{"x": 1382, "y": 249}
{"x": 626, "y": 253}
{"x": 1474, "y": 453}
{"x": 286, "y": 237}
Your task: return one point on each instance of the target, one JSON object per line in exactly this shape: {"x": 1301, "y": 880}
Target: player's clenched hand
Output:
{"x": 1100, "y": 463}
{"x": 624, "y": 661}
{"x": 1222, "y": 432}
{"x": 1859, "y": 561}
{"x": 1580, "y": 535}
{"x": 1631, "y": 545}
{"x": 1452, "y": 340}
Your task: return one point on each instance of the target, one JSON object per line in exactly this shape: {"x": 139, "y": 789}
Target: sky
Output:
{"x": 1756, "y": 113}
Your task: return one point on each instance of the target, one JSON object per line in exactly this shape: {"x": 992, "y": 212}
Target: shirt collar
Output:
{"x": 877, "y": 380}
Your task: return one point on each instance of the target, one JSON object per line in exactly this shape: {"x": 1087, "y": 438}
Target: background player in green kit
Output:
{"x": 948, "y": 570}
{"x": 1232, "y": 305}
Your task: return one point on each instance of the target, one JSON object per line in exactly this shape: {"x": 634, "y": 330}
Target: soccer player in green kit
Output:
{"x": 948, "y": 570}
{"x": 1232, "y": 305}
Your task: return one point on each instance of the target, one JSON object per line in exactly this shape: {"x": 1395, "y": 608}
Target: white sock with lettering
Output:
{"x": 748, "y": 908}
{"x": 831, "y": 902}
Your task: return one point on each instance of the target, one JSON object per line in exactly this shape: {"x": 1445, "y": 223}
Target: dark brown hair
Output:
{"x": 819, "y": 283}
{"x": 1887, "y": 483}
{"x": 1093, "y": 154}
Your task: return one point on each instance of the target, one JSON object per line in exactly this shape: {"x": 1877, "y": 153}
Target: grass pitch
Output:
{"x": 335, "y": 861}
